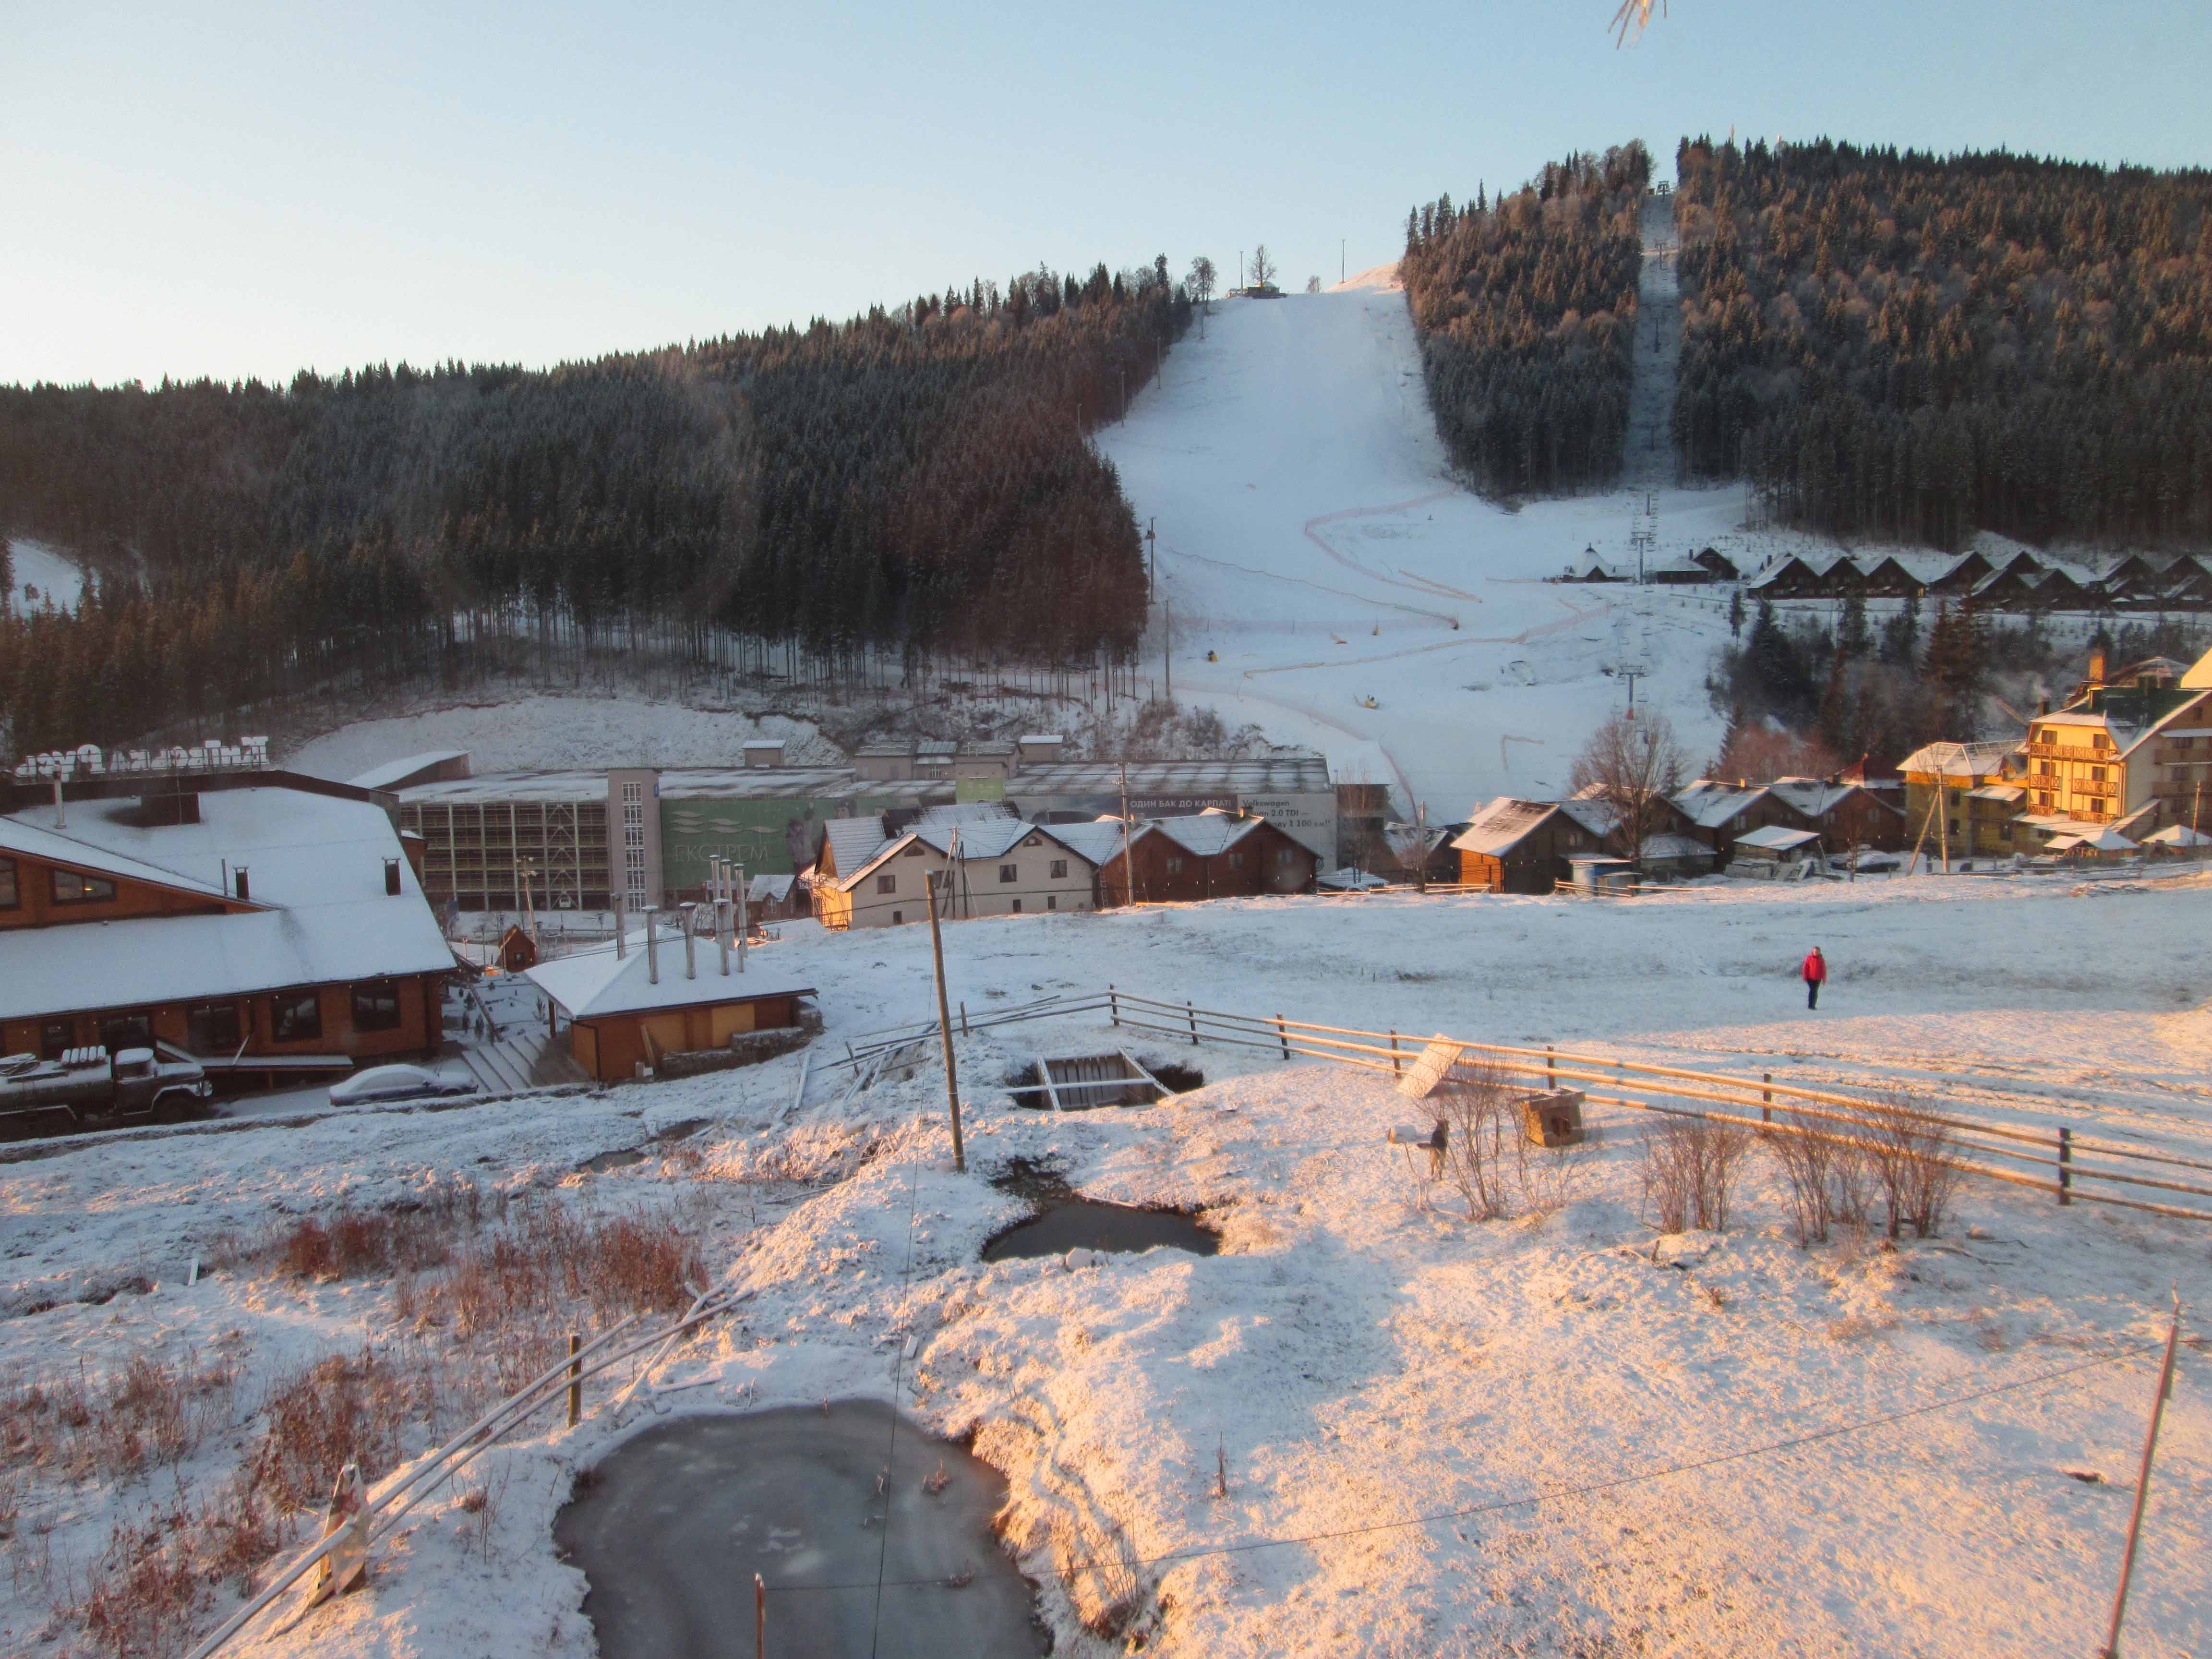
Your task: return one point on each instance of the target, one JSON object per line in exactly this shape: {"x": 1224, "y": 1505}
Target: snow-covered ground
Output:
{"x": 39, "y": 565}
{"x": 1532, "y": 1435}
{"x": 542, "y": 733}
{"x": 1311, "y": 538}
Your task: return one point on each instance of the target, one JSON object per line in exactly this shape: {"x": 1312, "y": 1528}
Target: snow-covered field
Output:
{"x": 1540, "y": 1435}
{"x": 38, "y": 565}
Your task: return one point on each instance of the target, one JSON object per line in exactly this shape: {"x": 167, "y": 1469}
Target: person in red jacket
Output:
{"x": 1816, "y": 976}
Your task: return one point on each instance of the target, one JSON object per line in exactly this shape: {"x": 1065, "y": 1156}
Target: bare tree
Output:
{"x": 1313, "y": 284}
{"x": 1633, "y": 15}
{"x": 1202, "y": 278}
{"x": 1263, "y": 268}
{"x": 1632, "y": 765}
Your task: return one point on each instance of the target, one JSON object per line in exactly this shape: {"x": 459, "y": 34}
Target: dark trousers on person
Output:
{"x": 1812, "y": 993}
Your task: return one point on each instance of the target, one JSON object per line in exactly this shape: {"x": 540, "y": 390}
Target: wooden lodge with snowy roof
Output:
{"x": 262, "y": 921}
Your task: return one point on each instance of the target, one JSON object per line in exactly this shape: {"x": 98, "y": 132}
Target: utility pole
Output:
{"x": 1128, "y": 836}
{"x": 943, "y": 1007}
{"x": 1421, "y": 844}
{"x": 1167, "y": 656}
{"x": 1152, "y": 554}
{"x": 1339, "y": 262}
{"x": 2112, "y": 1648}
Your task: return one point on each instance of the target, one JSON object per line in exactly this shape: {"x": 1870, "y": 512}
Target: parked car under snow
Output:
{"x": 398, "y": 1083}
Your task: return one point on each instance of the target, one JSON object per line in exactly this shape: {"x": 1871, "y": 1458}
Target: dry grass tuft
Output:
{"x": 346, "y": 1408}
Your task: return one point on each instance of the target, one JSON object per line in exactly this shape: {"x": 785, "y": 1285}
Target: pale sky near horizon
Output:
{"x": 238, "y": 190}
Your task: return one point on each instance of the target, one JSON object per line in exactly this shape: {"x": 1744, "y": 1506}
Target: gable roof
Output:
{"x": 591, "y": 984}
{"x": 21, "y": 836}
{"x": 1205, "y": 834}
{"x": 1776, "y": 839}
{"x": 1962, "y": 760}
{"x": 1709, "y": 803}
{"x": 851, "y": 843}
{"x": 1098, "y": 843}
{"x": 1502, "y": 825}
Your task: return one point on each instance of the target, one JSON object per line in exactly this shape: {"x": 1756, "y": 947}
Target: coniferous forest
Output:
{"x": 1906, "y": 346}
{"x": 915, "y": 482}
{"x": 1525, "y": 309}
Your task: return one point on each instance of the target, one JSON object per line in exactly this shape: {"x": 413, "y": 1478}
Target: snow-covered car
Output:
{"x": 398, "y": 1083}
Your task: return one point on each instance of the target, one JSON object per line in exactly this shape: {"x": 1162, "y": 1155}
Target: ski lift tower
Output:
{"x": 1644, "y": 537}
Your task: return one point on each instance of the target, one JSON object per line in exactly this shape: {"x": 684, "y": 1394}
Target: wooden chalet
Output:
{"x": 2013, "y": 588}
{"x": 1792, "y": 578}
{"x": 259, "y": 921}
{"x": 1846, "y": 814}
{"x": 631, "y": 1003}
{"x": 1207, "y": 855}
{"x": 1720, "y": 813}
{"x": 1889, "y": 579}
{"x": 1716, "y": 564}
{"x": 1971, "y": 570}
{"x": 1515, "y": 846}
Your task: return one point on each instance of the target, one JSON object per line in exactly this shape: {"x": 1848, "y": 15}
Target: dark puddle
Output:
{"x": 670, "y": 1528}
{"x": 600, "y": 1162}
{"x": 1067, "y": 1221}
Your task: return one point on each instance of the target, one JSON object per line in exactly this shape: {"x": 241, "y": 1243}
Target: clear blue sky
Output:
{"x": 235, "y": 189}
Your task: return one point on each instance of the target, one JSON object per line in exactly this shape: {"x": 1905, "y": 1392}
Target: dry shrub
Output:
{"x": 1103, "y": 1575}
{"x": 1688, "y": 1170}
{"x": 340, "y": 1410}
{"x": 644, "y": 1265}
{"x": 1483, "y": 1154}
{"x": 1909, "y": 1149}
{"x": 152, "y": 1413}
{"x": 1806, "y": 1159}
{"x": 144, "y": 1595}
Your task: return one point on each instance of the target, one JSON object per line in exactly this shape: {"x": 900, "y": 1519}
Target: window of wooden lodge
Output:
{"x": 56, "y": 1036}
{"x": 72, "y": 887}
{"x": 376, "y": 1006}
{"x": 1283, "y": 855}
{"x": 211, "y": 1027}
{"x": 121, "y": 1031}
{"x": 295, "y": 1017}
{"x": 1174, "y": 866}
{"x": 10, "y": 897}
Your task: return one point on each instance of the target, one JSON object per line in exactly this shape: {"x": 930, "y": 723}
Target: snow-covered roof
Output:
{"x": 854, "y": 843}
{"x": 322, "y": 915}
{"x": 1598, "y": 817}
{"x": 1098, "y": 842}
{"x": 1709, "y": 804}
{"x": 20, "y": 834}
{"x": 1674, "y": 847}
{"x": 1276, "y": 775}
{"x": 1814, "y": 797}
{"x": 966, "y": 812}
{"x": 1962, "y": 760}
{"x": 979, "y": 838}
{"x": 1349, "y": 880}
{"x": 392, "y": 772}
{"x": 2007, "y": 793}
{"x": 769, "y": 890}
{"x": 2098, "y": 840}
{"x": 1503, "y": 824}
{"x": 1205, "y": 833}
{"x": 2177, "y": 834}
{"x": 1774, "y": 838}
{"x": 597, "y": 982}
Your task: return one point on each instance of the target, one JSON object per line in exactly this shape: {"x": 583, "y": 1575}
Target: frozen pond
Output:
{"x": 1082, "y": 1224}
{"x": 670, "y": 1528}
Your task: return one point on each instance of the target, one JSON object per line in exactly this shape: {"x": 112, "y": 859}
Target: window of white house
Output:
{"x": 72, "y": 888}
{"x": 887, "y": 883}
{"x": 1007, "y": 871}
{"x": 1017, "y": 906}
{"x": 1052, "y": 901}
{"x": 1059, "y": 869}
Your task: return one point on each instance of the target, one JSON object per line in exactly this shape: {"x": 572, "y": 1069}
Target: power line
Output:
{"x": 1586, "y": 1489}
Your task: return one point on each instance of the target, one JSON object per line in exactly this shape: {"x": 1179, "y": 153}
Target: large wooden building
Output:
{"x": 1206, "y": 855}
{"x": 1515, "y": 846}
{"x": 261, "y": 921}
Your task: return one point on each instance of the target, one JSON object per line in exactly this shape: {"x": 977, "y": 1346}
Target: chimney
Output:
{"x": 738, "y": 886}
{"x": 244, "y": 888}
{"x": 392, "y": 877}
{"x": 652, "y": 945}
{"x": 61, "y": 811}
{"x": 722, "y": 932}
{"x": 690, "y": 914}
{"x": 2043, "y": 703}
{"x": 621, "y": 944}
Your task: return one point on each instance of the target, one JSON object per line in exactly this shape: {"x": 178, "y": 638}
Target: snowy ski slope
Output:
{"x": 1310, "y": 535}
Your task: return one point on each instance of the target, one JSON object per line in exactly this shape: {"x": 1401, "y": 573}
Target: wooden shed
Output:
{"x": 630, "y": 1007}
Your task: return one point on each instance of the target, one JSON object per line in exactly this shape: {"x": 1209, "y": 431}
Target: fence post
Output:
{"x": 575, "y": 1381}
{"x": 1191, "y": 1009}
{"x": 2065, "y": 1165}
{"x": 1551, "y": 1070}
{"x": 963, "y": 1019}
{"x": 1283, "y": 1035}
{"x": 1113, "y": 1005}
{"x": 1766, "y": 1098}
{"x": 1395, "y": 1069}
{"x": 760, "y": 1619}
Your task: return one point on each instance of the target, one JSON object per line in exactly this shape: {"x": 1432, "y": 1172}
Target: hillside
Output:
{"x": 914, "y": 484}
{"x": 1908, "y": 346}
